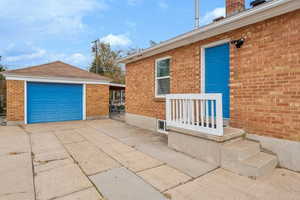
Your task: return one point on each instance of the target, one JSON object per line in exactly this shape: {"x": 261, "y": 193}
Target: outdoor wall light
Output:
{"x": 238, "y": 43}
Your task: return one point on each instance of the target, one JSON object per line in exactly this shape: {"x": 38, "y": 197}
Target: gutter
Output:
{"x": 48, "y": 79}
{"x": 265, "y": 11}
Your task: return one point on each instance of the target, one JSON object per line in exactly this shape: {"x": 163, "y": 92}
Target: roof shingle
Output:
{"x": 57, "y": 69}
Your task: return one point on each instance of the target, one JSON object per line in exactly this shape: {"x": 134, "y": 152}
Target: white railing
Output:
{"x": 197, "y": 112}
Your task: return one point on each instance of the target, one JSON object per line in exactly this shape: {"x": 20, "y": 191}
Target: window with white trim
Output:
{"x": 162, "y": 77}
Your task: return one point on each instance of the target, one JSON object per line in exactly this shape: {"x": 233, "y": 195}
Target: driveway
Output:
{"x": 107, "y": 159}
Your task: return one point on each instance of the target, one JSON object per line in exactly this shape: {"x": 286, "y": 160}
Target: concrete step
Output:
{"x": 258, "y": 165}
{"x": 239, "y": 150}
{"x": 245, "y": 158}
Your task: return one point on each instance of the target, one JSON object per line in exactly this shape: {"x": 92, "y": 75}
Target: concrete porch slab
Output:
{"x": 122, "y": 184}
{"x": 50, "y": 160}
{"x": 177, "y": 160}
{"x": 164, "y": 177}
{"x": 87, "y": 194}
{"x": 12, "y": 144}
{"x": 69, "y": 136}
{"x": 11, "y": 130}
{"x": 90, "y": 158}
{"x": 59, "y": 182}
{"x": 45, "y": 143}
{"x": 16, "y": 180}
{"x": 137, "y": 161}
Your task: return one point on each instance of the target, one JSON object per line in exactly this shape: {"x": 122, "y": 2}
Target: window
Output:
{"x": 162, "y": 77}
{"x": 161, "y": 126}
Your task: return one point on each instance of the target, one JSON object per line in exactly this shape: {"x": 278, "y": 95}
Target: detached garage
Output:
{"x": 55, "y": 92}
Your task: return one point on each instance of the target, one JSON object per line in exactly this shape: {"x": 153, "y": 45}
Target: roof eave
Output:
{"x": 251, "y": 16}
{"x": 10, "y": 76}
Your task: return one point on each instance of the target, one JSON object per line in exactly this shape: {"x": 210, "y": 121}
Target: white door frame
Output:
{"x": 213, "y": 44}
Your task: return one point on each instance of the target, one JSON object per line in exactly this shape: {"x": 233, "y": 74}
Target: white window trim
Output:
{"x": 159, "y": 130}
{"x": 213, "y": 44}
{"x": 163, "y": 77}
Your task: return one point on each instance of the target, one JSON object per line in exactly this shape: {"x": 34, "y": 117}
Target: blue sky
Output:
{"x": 39, "y": 31}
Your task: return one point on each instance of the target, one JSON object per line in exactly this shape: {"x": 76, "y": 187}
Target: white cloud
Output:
{"x": 208, "y": 17}
{"x": 77, "y": 58}
{"x": 73, "y": 58}
{"x": 24, "y": 52}
{"x": 50, "y": 16}
{"x": 163, "y": 5}
{"x": 116, "y": 40}
{"x": 133, "y": 2}
{"x": 28, "y": 55}
{"x": 38, "y": 54}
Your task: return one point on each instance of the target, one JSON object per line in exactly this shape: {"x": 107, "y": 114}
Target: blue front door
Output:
{"x": 52, "y": 102}
{"x": 217, "y": 73}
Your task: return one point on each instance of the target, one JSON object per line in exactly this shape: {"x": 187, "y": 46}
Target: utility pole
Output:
{"x": 95, "y": 50}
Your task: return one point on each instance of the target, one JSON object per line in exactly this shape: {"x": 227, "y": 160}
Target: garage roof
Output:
{"x": 56, "y": 70}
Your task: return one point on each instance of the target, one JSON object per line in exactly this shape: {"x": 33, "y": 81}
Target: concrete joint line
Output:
{"x": 69, "y": 193}
{"x": 104, "y": 132}
{"x": 150, "y": 168}
{"x": 32, "y": 157}
{"x": 79, "y": 167}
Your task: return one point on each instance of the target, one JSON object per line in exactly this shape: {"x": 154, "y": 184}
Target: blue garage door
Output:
{"x": 217, "y": 74}
{"x": 51, "y": 102}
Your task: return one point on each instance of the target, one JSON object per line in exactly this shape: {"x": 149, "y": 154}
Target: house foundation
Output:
{"x": 287, "y": 151}
{"x": 141, "y": 121}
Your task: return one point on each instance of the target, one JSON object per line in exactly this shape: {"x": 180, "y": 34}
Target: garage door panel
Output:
{"x": 48, "y": 102}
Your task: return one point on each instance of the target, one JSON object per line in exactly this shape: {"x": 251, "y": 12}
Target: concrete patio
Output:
{"x": 106, "y": 159}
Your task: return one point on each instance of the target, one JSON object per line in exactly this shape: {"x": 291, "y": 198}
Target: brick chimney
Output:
{"x": 234, "y": 6}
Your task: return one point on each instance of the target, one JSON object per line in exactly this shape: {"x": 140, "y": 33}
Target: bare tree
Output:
{"x": 105, "y": 62}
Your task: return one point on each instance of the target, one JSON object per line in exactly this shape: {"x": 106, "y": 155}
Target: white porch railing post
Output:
{"x": 168, "y": 109}
{"x": 183, "y": 111}
{"x": 219, "y": 114}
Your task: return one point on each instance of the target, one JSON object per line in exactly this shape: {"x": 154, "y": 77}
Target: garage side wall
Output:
{"x": 97, "y": 101}
{"x": 15, "y": 101}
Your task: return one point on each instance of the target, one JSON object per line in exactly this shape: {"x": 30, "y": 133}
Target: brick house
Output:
{"x": 251, "y": 57}
{"x": 55, "y": 92}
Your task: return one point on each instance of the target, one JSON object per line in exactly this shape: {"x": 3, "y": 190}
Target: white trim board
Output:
{"x": 54, "y": 80}
{"x": 60, "y": 80}
{"x": 83, "y": 101}
{"x": 25, "y": 102}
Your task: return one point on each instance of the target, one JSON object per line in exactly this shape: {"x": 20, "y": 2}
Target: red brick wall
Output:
{"x": 15, "y": 100}
{"x": 97, "y": 100}
{"x": 265, "y": 78}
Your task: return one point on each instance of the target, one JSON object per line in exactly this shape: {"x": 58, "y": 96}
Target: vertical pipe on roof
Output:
{"x": 197, "y": 14}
